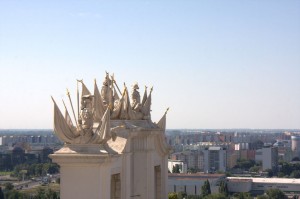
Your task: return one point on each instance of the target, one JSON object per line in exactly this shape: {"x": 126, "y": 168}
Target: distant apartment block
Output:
{"x": 215, "y": 159}
{"x": 208, "y": 159}
{"x": 9, "y": 140}
{"x": 296, "y": 145}
{"x": 268, "y": 156}
{"x": 193, "y": 159}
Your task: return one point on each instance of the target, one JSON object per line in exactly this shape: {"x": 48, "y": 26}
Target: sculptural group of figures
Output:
{"x": 121, "y": 107}
{"x": 97, "y": 109}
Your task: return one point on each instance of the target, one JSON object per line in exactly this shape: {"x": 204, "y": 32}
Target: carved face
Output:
{"x": 106, "y": 81}
{"x": 135, "y": 86}
{"x": 85, "y": 103}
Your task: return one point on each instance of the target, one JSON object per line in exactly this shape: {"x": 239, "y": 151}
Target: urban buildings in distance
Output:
{"x": 254, "y": 160}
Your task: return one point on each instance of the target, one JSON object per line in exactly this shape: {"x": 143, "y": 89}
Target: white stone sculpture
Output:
{"x": 113, "y": 150}
{"x": 96, "y": 111}
{"x": 136, "y": 98}
{"x": 107, "y": 91}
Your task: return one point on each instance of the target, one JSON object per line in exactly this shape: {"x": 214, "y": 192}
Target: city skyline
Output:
{"x": 217, "y": 65}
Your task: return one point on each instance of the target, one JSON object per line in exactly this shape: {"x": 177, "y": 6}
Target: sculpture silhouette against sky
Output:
{"x": 93, "y": 121}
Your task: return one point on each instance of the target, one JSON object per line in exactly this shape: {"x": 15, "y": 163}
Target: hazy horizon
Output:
{"x": 217, "y": 65}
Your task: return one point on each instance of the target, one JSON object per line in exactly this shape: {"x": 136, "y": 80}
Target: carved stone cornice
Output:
{"x": 81, "y": 154}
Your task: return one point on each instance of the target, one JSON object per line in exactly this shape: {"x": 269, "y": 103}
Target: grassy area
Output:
{"x": 52, "y": 186}
{"x": 5, "y": 173}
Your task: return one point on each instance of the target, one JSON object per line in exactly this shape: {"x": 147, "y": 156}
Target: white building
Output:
{"x": 260, "y": 185}
{"x": 296, "y": 145}
{"x": 182, "y": 166}
{"x": 214, "y": 159}
{"x": 192, "y": 183}
{"x": 268, "y": 156}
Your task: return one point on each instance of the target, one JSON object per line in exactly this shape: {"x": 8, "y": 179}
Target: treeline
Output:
{"x": 34, "y": 170}
{"x": 245, "y": 164}
{"x": 205, "y": 193}
{"x": 289, "y": 170}
{"x": 285, "y": 169}
{"x": 270, "y": 194}
{"x": 10, "y": 193}
{"x": 18, "y": 156}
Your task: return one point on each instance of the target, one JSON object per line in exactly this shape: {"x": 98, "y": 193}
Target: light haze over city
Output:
{"x": 216, "y": 64}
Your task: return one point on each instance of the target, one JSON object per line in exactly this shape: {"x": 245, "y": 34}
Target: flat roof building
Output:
{"x": 260, "y": 185}
{"x": 192, "y": 183}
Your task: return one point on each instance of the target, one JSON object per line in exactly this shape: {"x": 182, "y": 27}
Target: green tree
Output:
{"x": 14, "y": 194}
{"x": 223, "y": 189}
{"x": 176, "y": 169}
{"x": 216, "y": 196}
{"x": 205, "y": 189}
{"x": 254, "y": 169}
{"x": 290, "y": 169}
{"x": 50, "y": 194}
{"x": 245, "y": 164}
{"x": 53, "y": 168}
{"x": 46, "y": 194}
{"x": 172, "y": 195}
{"x": 295, "y": 174}
{"x": 8, "y": 186}
{"x": 242, "y": 195}
{"x": 270, "y": 173}
{"x": 181, "y": 195}
{"x": 40, "y": 194}
{"x": 280, "y": 174}
{"x": 45, "y": 168}
{"x": 1, "y": 193}
{"x": 276, "y": 194}
{"x": 193, "y": 197}
{"x": 286, "y": 168}
{"x": 262, "y": 197}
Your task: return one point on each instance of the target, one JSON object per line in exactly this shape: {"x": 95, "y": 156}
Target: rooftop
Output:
{"x": 215, "y": 148}
{"x": 194, "y": 176}
{"x": 267, "y": 180}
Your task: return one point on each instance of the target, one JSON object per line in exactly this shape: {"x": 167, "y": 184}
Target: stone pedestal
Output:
{"x": 132, "y": 166}
{"x": 85, "y": 171}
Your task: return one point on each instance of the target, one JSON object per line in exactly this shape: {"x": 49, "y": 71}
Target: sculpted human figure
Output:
{"x": 135, "y": 98}
{"x": 92, "y": 124}
{"x": 107, "y": 92}
{"x": 86, "y": 115}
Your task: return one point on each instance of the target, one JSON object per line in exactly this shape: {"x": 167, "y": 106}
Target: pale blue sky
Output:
{"x": 216, "y": 64}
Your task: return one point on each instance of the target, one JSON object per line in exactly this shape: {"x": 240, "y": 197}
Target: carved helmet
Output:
{"x": 135, "y": 86}
{"x": 87, "y": 96}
